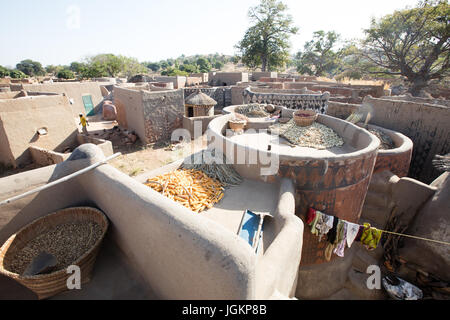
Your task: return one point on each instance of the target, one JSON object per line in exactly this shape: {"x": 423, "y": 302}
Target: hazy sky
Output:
{"x": 62, "y": 31}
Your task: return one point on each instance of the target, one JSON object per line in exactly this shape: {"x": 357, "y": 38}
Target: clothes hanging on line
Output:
{"x": 341, "y": 233}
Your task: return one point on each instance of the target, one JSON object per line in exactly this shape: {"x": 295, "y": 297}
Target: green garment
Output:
{"x": 370, "y": 236}
{"x": 314, "y": 222}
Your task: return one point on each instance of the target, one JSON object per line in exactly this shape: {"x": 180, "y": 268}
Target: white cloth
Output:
{"x": 326, "y": 223}
{"x": 352, "y": 232}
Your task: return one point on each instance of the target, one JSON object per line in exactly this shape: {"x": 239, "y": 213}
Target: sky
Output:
{"x": 61, "y": 31}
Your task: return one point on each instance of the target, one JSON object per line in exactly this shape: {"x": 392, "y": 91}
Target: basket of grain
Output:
{"x": 237, "y": 124}
{"x": 73, "y": 236}
{"x": 304, "y": 118}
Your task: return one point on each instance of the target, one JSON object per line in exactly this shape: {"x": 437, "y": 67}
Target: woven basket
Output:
{"x": 305, "y": 121}
{"x": 236, "y": 126}
{"x": 47, "y": 285}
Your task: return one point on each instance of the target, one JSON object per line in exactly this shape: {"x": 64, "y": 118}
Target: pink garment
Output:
{"x": 339, "y": 250}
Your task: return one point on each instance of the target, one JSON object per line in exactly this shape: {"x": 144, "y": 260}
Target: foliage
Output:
{"x": 174, "y": 72}
{"x": 53, "y": 69}
{"x": 203, "y": 64}
{"x": 4, "y": 72}
{"x": 154, "y": 66}
{"x": 414, "y": 43}
{"x": 266, "y": 42}
{"x": 65, "y": 74}
{"x": 189, "y": 68}
{"x": 319, "y": 57}
{"x": 218, "y": 65}
{"x": 110, "y": 64}
{"x": 17, "y": 74}
{"x": 31, "y": 68}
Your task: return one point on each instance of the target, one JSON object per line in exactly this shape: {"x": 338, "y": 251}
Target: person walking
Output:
{"x": 84, "y": 123}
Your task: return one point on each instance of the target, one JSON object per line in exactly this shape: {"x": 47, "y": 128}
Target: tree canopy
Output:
{"x": 319, "y": 57}
{"x": 266, "y": 43}
{"x": 413, "y": 43}
{"x": 31, "y": 68}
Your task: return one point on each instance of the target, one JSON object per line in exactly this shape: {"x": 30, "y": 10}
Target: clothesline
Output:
{"x": 415, "y": 237}
{"x": 394, "y": 233}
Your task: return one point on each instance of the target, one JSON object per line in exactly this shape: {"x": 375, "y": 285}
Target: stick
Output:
{"x": 63, "y": 179}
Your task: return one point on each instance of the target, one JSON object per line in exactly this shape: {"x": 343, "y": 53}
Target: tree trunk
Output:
{"x": 264, "y": 63}
{"x": 418, "y": 84}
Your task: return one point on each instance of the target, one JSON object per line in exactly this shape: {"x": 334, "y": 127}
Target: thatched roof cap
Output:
{"x": 200, "y": 99}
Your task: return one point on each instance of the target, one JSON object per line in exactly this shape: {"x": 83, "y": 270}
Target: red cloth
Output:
{"x": 310, "y": 216}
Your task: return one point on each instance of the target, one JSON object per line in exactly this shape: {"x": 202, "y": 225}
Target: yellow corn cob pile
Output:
{"x": 192, "y": 188}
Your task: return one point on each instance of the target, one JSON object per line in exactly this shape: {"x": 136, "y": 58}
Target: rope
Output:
{"x": 401, "y": 234}
{"x": 415, "y": 237}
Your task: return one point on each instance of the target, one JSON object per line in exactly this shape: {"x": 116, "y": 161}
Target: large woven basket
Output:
{"x": 47, "y": 285}
{"x": 304, "y": 118}
{"x": 237, "y": 125}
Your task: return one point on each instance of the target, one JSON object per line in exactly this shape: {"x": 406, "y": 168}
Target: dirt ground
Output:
{"x": 138, "y": 158}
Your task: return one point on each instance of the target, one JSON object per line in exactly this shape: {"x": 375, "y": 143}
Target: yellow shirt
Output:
{"x": 83, "y": 121}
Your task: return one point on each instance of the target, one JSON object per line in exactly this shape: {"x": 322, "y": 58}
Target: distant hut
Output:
{"x": 199, "y": 104}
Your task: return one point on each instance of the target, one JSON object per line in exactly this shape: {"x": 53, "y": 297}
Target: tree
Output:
{"x": 203, "y": 64}
{"x": 77, "y": 67}
{"x": 3, "y": 72}
{"x": 31, "y": 68}
{"x": 154, "y": 66}
{"x": 189, "y": 68}
{"x": 170, "y": 71}
{"x": 413, "y": 43}
{"x": 318, "y": 57}
{"x": 131, "y": 67}
{"x": 110, "y": 64}
{"x": 17, "y": 74}
{"x": 266, "y": 43}
{"x": 65, "y": 74}
{"x": 53, "y": 69}
{"x": 218, "y": 65}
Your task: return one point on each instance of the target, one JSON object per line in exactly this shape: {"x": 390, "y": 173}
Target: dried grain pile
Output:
{"x": 317, "y": 135}
{"x": 386, "y": 141}
{"x": 67, "y": 242}
{"x": 252, "y": 111}
{"x": 191, "y": 188}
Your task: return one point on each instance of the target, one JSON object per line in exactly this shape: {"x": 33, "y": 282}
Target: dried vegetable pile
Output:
{"x": 386, "y": 141}
{"x": 191, "y": 188}
{"x": 206, "y": 161}
{"x": 317, "y": 136}
{"x": 252, "y": 111}
{"x": 67, "y": 242}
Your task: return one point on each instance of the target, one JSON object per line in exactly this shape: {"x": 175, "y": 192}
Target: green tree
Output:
{"x": 203, "y": 64}
{"x": 53, "y": 69}
{"x": 154, "y": 66}
{"x": 413, "y": 43}
{"x": 109, "y": 63}
{"x": 189, "y": 68}
{"x": 170, "y": 71}
{"x": 218, "y": 65}
{"x": 266, "y": 43}
{"x": 31, "y": 68}
{"x": 319, "y": 56}
{"x": 77, "y": 67}
{"x": 17, "y": 74}
{"x": 65, "y": 74}
{"x": 3, "y": 72}
{"x": 131, "y": 67}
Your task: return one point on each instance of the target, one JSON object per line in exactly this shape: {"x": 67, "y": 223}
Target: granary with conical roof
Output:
{"x": 199, "y": 104}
